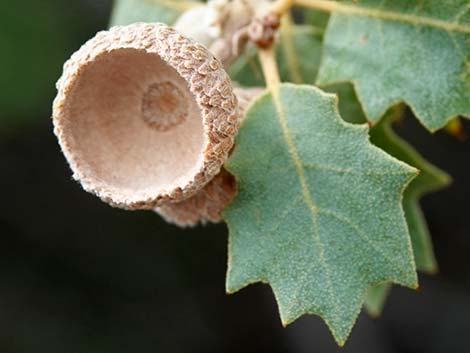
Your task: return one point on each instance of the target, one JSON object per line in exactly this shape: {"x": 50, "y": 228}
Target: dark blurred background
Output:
{"x": 79, "y": 276}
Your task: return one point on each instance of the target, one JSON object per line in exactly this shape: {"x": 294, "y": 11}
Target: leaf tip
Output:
{"x": 229, "y": 291}
{"x": 230, "y": 288}
{"x": 432, "y": 270}
{"x": 374, "y": 313}
{"x": 445, "y": 179}
{"x": 340, "y": 342}
{"x": 341, "y": 338}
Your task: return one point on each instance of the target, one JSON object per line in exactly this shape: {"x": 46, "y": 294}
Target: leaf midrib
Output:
{"x": 306, "y": 194}
{"x": 332, "y": 6}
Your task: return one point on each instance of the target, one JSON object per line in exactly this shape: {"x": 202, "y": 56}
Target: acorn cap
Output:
{"x": 144, "y": 116}
{"x": 207, "y": 205}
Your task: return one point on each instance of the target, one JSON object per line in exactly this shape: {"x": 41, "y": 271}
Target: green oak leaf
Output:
{"x": 318, "y": 213}
{"x": 430, "y": 179}
{"x": 126, "y": 12}
{"x": 298, "y": 54}
{"x": 375, "y": 299}
{"x": 248, "y": 71}
{"x": 318, "y": 19}
{"x": 349, "y": 107}
{"x": 417, "y": 52}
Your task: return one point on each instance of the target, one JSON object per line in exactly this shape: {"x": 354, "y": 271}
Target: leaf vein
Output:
{"x": 306, "y": 194}
{"x": 358, "y": 231}
{"x": 462, "y": 12}
{"x": 347, "y": 171}
{"x": 287, "y": 210}
{"x": 413, "y": 19}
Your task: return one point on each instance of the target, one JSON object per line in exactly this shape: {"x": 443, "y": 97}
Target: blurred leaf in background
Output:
{"x": 126, "y": 12}
{"x": 298, "y": 54}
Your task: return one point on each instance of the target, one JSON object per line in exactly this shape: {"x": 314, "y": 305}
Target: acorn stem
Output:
{"x": 268, "y": 61}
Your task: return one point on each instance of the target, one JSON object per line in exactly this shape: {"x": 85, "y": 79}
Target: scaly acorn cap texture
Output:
{"x": 144, "y": 116}
{"x": 210, "y": 201}
{"x": 205, "y": 206}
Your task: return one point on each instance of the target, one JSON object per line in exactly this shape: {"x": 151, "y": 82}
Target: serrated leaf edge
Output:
{"x": 413, "y": 172}
{"x": 376, "y": 119}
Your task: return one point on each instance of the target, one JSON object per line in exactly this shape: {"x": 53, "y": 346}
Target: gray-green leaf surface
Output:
{"x": 429, "y": 179}
{"x": 376, "y": 297}
{"x": 126, "y": 12}
{"x": 417, "y": 52}
{"x": 318, "y": 214}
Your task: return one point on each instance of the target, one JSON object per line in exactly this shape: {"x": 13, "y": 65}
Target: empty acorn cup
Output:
{"x": 209, "y": 202}
{"x": 144, "y": 116}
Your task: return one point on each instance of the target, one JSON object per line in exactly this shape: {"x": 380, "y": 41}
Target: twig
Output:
{"x": 267, "y": 58}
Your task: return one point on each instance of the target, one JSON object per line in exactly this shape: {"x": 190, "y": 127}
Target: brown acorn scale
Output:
{"x": 144, "y": 116}
{"x": 207, "y": 205}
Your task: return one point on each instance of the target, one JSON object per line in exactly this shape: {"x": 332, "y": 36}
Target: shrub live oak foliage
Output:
{"x": 327, "y": 211}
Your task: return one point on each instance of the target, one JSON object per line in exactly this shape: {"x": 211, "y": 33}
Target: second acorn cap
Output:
{"x": 144, "y": 116}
